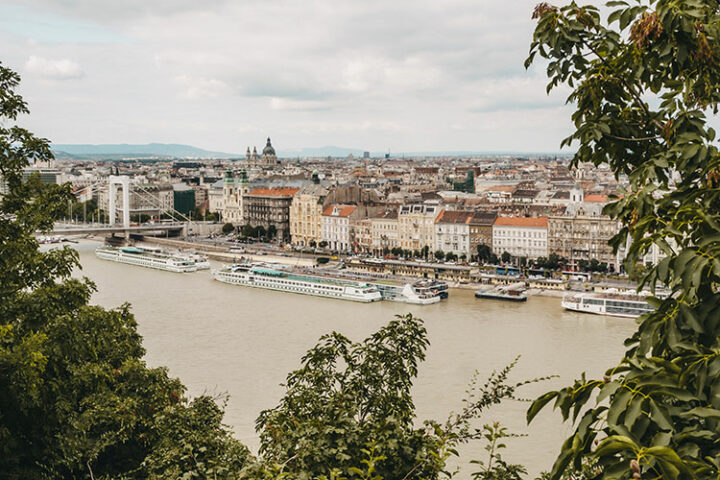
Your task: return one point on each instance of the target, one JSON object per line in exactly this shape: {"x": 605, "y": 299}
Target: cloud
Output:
{"x": 199, "y": 88}
{"x": 277, "y": 103}
{"x": 55, "y": 69}
{"x": 516, "y": 93}
{"x": 409, "y": 75}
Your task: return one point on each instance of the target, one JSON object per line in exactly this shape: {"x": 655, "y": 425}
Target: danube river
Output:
{"x": 220, "y": 338}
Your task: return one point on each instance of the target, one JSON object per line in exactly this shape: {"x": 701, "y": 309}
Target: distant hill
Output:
{"x": 118, "y": 151}
{"x": 328, "y": 151}
{"x": 126, "y": 150}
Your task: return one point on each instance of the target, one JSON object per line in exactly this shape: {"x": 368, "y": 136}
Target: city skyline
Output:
{"x": 399, "y": 78}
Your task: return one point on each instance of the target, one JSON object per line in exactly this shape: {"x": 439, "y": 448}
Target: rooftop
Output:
{"x": 274, "y": 192}
{"x": 530, "y": 222}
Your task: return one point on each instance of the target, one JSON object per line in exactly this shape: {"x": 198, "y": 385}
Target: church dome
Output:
{"x": 268, "y": 150}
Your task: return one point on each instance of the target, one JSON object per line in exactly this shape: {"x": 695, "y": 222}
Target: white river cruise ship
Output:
{"x": 608, "y": 303}
{"x": 261, "y": 276}
{"x": 147, "y": 257}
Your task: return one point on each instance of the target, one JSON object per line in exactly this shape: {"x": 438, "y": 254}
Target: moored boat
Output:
{"x": 406, "y": 293}
{"x": 147, "y": 257}
{"x": 628, "y": 305}
{"x": 433, "y": 287}
{"x": 514, "y": 292}
{"x": 260, "y": 275}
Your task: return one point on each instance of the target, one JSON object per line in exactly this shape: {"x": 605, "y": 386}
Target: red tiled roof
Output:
{"x": 537, "y": 222}
{"x": 343, "y": 210}
{"x": 596, "y": 198}
{"x": 450, "y": 216}
{"x": 274, "y": 192}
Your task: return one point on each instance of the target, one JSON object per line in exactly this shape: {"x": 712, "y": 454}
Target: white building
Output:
{"x": 384, "y": 231}
{"x": 233, "y": 193}
{"x": 336, "y": 227}
{"x": 452, "y": 232}
{"x": 521, "y": 236}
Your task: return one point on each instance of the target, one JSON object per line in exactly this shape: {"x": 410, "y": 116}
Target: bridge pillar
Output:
{"x": 122, "y": 181}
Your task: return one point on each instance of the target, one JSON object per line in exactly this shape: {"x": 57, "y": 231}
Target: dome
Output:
{"x": 268, "y": 150}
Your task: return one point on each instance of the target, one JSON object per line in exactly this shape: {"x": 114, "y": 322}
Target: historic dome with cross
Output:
{"x": 268, "y": 150}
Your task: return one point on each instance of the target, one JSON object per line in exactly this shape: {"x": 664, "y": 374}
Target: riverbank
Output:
{"x": 222, "y": 253}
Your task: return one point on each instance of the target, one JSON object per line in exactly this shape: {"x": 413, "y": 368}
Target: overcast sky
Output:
{"x": 381, "y": 75}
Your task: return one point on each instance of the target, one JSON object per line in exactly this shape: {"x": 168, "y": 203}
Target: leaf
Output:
{"x": 615, "y": 444}
{"x": 703, "y": 412}
{"x": 539, "y": 404}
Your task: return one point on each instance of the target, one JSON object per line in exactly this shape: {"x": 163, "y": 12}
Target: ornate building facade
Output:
{"x": 266, "y": 207}
{"x": 232, "y": 197}
{"x": 306, "y": 215}
{"x": 416, "y": 226}
{"x": 267, "y": 159}
{"x": 583, "y": 232}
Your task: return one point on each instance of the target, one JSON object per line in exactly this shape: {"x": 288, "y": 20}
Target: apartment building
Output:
{"x": 416, "y": 226}
{"x": 268, "y": 207}
{"x": 336, "y": 226}
{"x": 521, "y": 236}
{"x": 452, "y": 232}
{"x": 384, "y": 231}
{"x": 306, "y": 212}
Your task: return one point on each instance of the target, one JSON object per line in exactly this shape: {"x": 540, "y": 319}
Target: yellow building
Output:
{"x": 416, "y": 226}
{"x": 306, "y": 215}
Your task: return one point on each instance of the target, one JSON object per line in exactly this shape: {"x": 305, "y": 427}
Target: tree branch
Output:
{"x": 629, "y": 139}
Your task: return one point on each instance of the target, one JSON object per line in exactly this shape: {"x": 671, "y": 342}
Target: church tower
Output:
{"x": 269, "y": 158}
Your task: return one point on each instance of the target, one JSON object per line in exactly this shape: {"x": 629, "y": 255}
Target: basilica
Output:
{"x": 267, "y": 159}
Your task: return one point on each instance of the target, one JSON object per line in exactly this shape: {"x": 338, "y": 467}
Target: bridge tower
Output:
{"x": 122, "y": 181}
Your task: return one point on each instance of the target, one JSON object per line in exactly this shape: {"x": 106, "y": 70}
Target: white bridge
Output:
{"x": 180, "y": 222}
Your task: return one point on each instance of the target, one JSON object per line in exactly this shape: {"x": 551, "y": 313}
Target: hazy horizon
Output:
{"x": 399, "y": 77}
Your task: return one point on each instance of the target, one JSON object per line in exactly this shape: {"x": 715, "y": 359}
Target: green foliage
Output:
{"x": 228, "y": 228}
{"x": 552, "y": 262}
{"x": 345, "y": 396}
{"x": 348, "y": 412}
{"x": 592, "y": 266}
{"x": 193, "y": 443}
{"x": 76, "y": 399}
{"x": 506, "y": 257}
{"x": 496, "y": 468}
{"x": 484, "y": 253}
{"x": 643, "y": 80}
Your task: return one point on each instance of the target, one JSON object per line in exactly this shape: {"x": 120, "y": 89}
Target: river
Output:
{"x": 221, "y": 338}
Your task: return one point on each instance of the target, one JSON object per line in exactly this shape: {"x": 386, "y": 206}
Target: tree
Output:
{"x": 350, "y": 403}
{"x": 323, "y": 244}
{"x": 484, "y": 253}
{"x": 271, "y": 232}
{"x": 76, "y": 398}
{"x": 643, "y": 80}
{"x": 506, "y": 257}
{"x": 440, "y": 255}
{"x": 228, "y": 228}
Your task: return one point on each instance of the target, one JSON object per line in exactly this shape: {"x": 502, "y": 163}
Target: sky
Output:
{"x": 378, "y": 75}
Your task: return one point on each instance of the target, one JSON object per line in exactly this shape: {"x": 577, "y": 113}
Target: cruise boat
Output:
{"x": 407, "y": 293}
{"x": 260, "y": 275}
{"x": 514, "y": 292}
{"x": 147, "y": 257}
{"x": 629, "y": 305}
{"x": 433, "y": 287}
{"x": 201, "y": 261}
